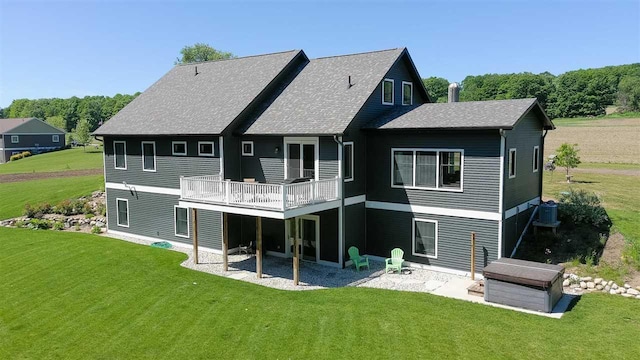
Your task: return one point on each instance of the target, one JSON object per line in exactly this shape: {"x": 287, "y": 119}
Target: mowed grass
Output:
{"x": 78, "y": 296}
{"x": 614, "y": 140}
{"x": 15, "y": 195}
{"x": 63, "y": 160}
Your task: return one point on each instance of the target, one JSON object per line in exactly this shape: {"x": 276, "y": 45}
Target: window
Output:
{"x": 148, "y": 156}
{"x": 181, "y": 216}
{"x": 435, "y": 169}
{"x": 55, "y": 138}
{"x": 536, "y": 158}
{"x": 512, "y": 163}
{"x": 407, "y": 93}
{"x": 387, "y": 92}
{"x": 15, "y": 139}
{"x": 425, "y": 238}
{"x": 120, "y": 155}
{"x": 348, "y": 161}
{"x": 122, "y": 214}
{"x": 205, "y": 148}
{"x": 247, "y": 148}
{"x": 179, "y": 148}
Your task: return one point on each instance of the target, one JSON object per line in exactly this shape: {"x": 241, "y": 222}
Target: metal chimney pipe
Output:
{"x": 454, "y": 92}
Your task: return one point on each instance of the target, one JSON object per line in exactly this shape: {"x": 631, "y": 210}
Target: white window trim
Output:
{"x": 411, "y": 85}
{"x": 413, "y": 238}
{"x": 437, "y": 151}
{"x": 393, "y": 95}
{"x": 536, "y": 159}
{"x": 302, "y": 141}
{"x": 115, "y": 155}
{"x": 175, "y": 221}
{"x": 173, "y": 143}
{"x": 15, "y": 139}
{"x": 55, "y": 138}
{"x": 118, "y": 213}
{"x": 143, "y": 143}
{"x": 213, "y": 151}
{"x": 250, "y": 153}
{"x": 346, "y": 179}
{"x": 515, "y": 163}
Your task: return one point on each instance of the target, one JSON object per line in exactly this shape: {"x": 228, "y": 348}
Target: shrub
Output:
{"x": 582, "y": 207}
{"x": 43, "y": 224}
{"x": 101, "y": 209}
{"x": 15, "y": 157}
{"x": 20, "y": 224}
{"x": 36, "y": 211}
{"x": 96, "y": 230}
{"x": 58, "y": 226}
{"x": 25, "y": 154}
{"x": 73, "y": 207}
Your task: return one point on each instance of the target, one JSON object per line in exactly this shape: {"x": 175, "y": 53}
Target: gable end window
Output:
{"x": 205, "y": 148}
{"x": 247, "y": 148}
{"x": 348, "y": 161}
{"x": 387, "y": 92}
{"x": 179, "y": 148}
{"x": 181, "y": 217}
{"x": 512, "y": 163}
{"x": 15, "y": 139}
{"x": 120, "y": 155}
{"x": 407, "y": 93}
{"x": 55, "y": 138}
{"x": 149, "y": 156}
{"x": 430, "y": 169}
{"x": 122, "y": 212}
{"x": 536, "y": 158}
{"x": 425, "y": 238}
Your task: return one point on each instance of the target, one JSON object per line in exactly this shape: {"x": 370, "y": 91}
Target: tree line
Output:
{"x": 585, "y": 92}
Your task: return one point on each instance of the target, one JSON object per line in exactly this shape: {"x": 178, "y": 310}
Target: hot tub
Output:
{"x": 524, "y": 284}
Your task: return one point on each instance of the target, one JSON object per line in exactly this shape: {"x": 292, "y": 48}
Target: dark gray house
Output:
{"x": 329, "y": 153}
{"x": 28, "y": 134}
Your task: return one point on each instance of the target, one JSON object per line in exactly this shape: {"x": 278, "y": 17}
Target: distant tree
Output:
{"x": 57, "y": 121}
{"x": 1, "y": 113}
{"x": 437, "y": 87}
{"x": 629, "y": 93}
{"x": 200, "y": 52}
{"x": 82, "y": 134}
{"x": 567, "y": 157}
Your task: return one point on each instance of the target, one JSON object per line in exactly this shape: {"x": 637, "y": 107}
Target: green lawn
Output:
{"x": 15, "y": 194}
{"x": 78, "y": 296}
{"x": 63, "y": 160}
{"x": 585, "y": 120}
{"x": 612, "y": 166}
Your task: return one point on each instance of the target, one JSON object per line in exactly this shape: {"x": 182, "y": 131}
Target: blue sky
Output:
{"x": 61, "y": 49}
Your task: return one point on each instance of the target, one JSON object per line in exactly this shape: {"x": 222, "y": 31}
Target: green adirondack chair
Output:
{"x": 358, "y": 261}
{"x": 395, "y": 261}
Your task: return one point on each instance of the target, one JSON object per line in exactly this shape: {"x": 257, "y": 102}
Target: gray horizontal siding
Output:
{"x": 30, "y": 141}
{"x": 355, "y": 228}
{"x": 481, "y": 171}
{"x": 328, "y": 154}
{"x": 526, "y": 185}
{"x": 169, "y": 167}
{"x": 390, "y": 229}
{"x": 266, "y": 165}
{"x": 152, "y": 215}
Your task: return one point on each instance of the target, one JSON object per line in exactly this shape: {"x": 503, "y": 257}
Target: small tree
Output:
{"x": 201, "y": 52}
{"x": 567, "y": 157}
{"x": 82, "y": 133}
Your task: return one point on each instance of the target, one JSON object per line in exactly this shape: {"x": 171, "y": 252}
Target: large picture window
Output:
{"x": 425, "y": 238}
{"x": 148, "y": 156}
{"x": 435, "y": 169}
{"x": 122, "y": 215}
{"x": 120, "y": 155}
{"x": 387, "y": 92}
{"x": 348, "y": 161}
{"x": 181, "y": 216}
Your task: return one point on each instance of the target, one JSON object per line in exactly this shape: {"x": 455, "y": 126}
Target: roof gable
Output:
{"x": 27, "y": 126}
{"x": 201, "y": 98}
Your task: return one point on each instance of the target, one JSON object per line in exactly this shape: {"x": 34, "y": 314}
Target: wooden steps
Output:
{"x": 476, "y": 289}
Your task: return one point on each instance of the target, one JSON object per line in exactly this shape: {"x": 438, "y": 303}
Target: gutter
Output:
{"x": 342, "y": 212}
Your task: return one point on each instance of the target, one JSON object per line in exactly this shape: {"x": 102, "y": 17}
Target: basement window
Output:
{"x": 387, "y": 92}
{"x": 122, "y": 214}
{"x": 425, "y": 238}
{"x": 181, "y": 216}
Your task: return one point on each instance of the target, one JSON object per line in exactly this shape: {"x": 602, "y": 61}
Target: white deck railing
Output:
{"x": 212, "y": 189}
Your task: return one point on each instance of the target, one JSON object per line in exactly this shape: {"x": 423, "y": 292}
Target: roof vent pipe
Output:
{"x": 454, "y": 92}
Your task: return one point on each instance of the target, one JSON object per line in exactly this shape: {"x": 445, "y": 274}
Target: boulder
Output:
{"x": 610, "y": 282}
{"x": 564, "y": 276}
{"x": 607, "y": 288}
{"x": 597, "y": 280}
{"x": 100, "y": 224}
{"x": 599, "y": 287}
{"x": 583, "y": 285}
{"x": 586, "y": 279}
{"x": 566, "y": 283}
{"x": 633, "y": 292}
{"x": 614, "y": 286}
{"x": 612, "y": 292}
{"x": 627, "y": 295}
{"x": 591, "y": 285}
{"x": 627, "y": 286}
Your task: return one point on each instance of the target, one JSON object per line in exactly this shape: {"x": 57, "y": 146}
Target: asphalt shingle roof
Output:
{"x": 494, "y": 114}
{"x": 8, "y": 124}
{"x": 319, "y": 100}
{"x": 184, "y": 103}
{"x": 35, "y": 125}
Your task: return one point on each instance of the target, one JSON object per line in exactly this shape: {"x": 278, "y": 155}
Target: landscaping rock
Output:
{"x": 597, "y": 280}
{"x": 599, "y": 287}
{"x": 610, "y": 282}
{"x": 618, "y": 290}
{"x": 586, "y": 279}
{"x": 100, "y": 224}
{"x": 614, "y": 286}
{"x": 633, "y": 292}
{"x": 591, "y": 285}
{"x": 607, "y": 288}
{"x": 566, "y": 283}
{"x": 627, "y": 286}
{"x": 612, "y": 292}
{"x": 583, "y": 285}
{"x": 564, "y": 276}
{"x": 627, "y": 295}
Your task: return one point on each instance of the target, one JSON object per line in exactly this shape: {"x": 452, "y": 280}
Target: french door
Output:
{"x": 301, "y": 158}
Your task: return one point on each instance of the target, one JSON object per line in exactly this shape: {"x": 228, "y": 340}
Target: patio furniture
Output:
{"x": 395, "y": 261}
{"x": 247, "y": 249}
{"x": 358, "y": 261}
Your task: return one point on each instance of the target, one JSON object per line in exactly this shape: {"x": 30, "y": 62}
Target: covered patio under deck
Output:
{"x": 274, "y": 201}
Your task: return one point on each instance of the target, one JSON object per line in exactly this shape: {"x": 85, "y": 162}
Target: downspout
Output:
{"x": 503, "y": 145}
{"x": 542, "y": 161}
{"x": 342, "y": 212}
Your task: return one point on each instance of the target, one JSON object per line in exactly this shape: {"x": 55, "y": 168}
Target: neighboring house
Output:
{"x": 28, "y": 134}
{"x": 348, "y": 150}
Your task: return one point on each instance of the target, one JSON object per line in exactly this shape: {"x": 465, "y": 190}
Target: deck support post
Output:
{"x": 259, "y": 247}
{"x": 194, "y": 223}
{"x": 296, "y": 253}
{"x": 225, "y": 241}
{"x": 473, "y": 256}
